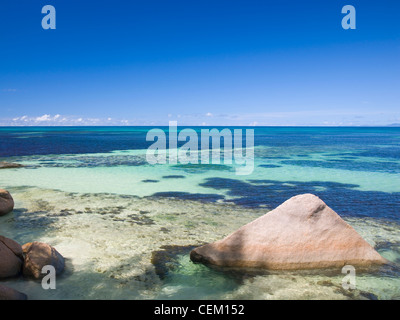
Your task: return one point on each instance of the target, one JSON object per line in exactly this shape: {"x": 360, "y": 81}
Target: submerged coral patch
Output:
{"x": 201, "y": 168}
{"x": 346, "y": 199}
{"x": 173, "y": 177}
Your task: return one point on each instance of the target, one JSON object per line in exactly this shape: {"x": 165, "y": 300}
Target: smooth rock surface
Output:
{"x": 10, "y": 258}
{"x": 9, "y": 165}
{"x": 7, "y": 293}
{"x": 38, "y": 255}
{"x": 302, "y": 233}
{"x": 6, "y": 202}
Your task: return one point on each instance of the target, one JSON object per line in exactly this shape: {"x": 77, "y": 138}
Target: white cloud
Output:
{"x": 294, "y": 118}
{"x": 60, "y": 120}
{"x": 45, "y": 117}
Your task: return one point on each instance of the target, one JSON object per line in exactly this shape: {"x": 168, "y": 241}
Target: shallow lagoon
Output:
{"x": 126, "y": 227}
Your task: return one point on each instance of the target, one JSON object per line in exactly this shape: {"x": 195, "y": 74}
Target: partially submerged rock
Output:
{"x": 10, "y": 258}
{"x": 6, "y": 202}
{"x": 7, "y": 293}
{"x": 9, "y": 165}
{"x": 302, "y": 233}
{"x": 38, "y": 255}
{"x": 166, "y": 259}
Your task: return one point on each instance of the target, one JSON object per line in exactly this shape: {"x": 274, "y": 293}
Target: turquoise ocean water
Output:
{"x": 126, "y": 227}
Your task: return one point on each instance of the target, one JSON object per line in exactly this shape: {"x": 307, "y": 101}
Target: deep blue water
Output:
{"x": 364, "y": 150}
{"x": 381, "y": 142}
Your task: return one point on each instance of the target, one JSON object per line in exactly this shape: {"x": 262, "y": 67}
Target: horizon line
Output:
{"x": 394, "y": 125}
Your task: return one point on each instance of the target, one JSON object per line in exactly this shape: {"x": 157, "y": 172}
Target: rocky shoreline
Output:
{"x": 27, "y": 260}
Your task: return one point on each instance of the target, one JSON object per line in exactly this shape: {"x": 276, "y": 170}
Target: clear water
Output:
{"x": 126, "y": 227}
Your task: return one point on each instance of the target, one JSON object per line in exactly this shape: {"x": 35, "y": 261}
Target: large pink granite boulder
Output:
{"x": 301, "y": 233}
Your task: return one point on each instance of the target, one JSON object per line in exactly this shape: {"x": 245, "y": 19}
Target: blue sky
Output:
{"x": 200, "y": 63}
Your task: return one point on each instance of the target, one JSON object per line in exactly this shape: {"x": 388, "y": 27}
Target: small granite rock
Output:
{"x": 9, "y": 165}
{"x": 7, "y": 293}
{"x": 38, "y": 255}
{"x": 6, "y": 202}
{"x": 302, "y": 233}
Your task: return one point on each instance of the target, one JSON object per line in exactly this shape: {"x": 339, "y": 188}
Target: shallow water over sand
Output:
{"x": 126, "y": 247}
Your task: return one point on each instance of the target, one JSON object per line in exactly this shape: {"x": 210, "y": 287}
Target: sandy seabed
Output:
{"x": 129, "y": 247}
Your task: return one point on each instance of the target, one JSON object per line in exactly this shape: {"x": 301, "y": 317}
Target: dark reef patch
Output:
{"x": 274, "y": 158}
{"x": 203, "y": 197}
{"x": 347, "y": 164}
{"x": 174, "y": 177}
{"x": 91, "y": 161}
{"x": 392, "y": 153}
{"x": 343, "y": 198}
{"x": 269, "y": 166}
{"x": 201, "y": 168}
{"x": 140, "y": 220}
